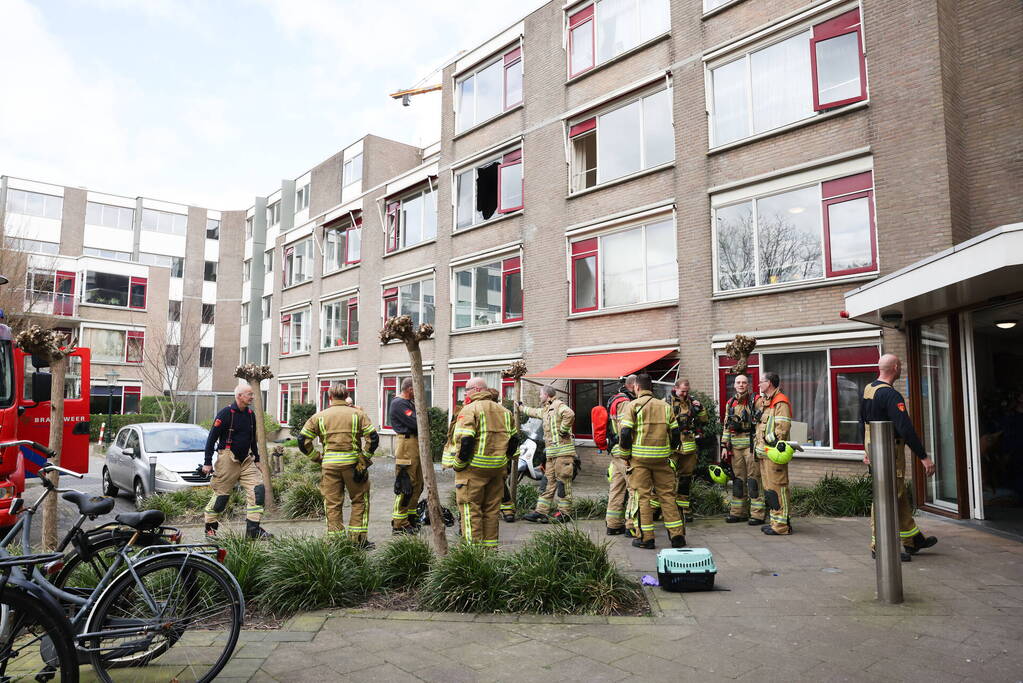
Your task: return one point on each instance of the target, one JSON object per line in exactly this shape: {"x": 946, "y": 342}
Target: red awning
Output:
{"x": 603, "y": 365}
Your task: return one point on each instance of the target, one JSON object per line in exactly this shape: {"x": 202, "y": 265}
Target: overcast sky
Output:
{"x": 211, "y": 102}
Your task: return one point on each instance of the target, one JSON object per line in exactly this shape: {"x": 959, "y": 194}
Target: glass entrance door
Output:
{"x": 936, "y": 411}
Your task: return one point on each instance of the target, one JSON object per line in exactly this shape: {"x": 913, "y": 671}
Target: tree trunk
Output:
{"x": 440, "y": 539}
{"x": 257, "y": 406}
{"x": 58, "y": 369}
{"x": 513, "y": 482}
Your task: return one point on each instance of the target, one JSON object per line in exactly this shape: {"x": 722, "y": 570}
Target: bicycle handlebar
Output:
{"x": 55, "y": 468}
{"x": 34, "y": 444}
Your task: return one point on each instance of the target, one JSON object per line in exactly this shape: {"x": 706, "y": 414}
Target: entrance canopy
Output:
{"x": 603, "y": 365}
{"x": 968, "y": 274}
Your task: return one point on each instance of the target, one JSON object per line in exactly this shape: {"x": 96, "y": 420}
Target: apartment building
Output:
{"x": 624, "y": 185}
{"x": 147, "y": 285}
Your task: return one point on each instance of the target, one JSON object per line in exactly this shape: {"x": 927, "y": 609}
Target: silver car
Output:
{"x": 179, "y": 452}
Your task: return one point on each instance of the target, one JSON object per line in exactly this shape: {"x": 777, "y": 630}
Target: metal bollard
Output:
{"x": 152, "y": 475}
{"x": 886, "y": 512}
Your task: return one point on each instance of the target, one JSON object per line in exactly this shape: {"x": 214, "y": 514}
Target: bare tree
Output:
{"x": 172, "y": 355}
{"x": 31, "y": 298}
{"x": 787, "y": 253}
{"x": 736, "y": 252}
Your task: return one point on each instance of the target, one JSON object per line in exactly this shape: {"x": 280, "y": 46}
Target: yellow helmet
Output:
{"x": 781, "y": 453}
{"x": 718, "y": 474}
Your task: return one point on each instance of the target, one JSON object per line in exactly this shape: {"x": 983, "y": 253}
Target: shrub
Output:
{"x": 302, "y": 498}
{"x": 438, "y": 431}
{"x": 245, "y": 560}
{"x": 708, "y": 443}
{"x": 300, "y": 412}
{"x": 706, "y": 499}
{"x": 305, "y": 572}
{"x": 115, "y": 422}
{"x": 589, "y": 508}
{"x": 290, "y": 443}
{"x": 833, "y": 496}
{"x": 184, "y": 504}
{"x": 468, "y": 579}
{"x": 526, "y": 496}
{"x": 403, "y": 563}
{"x": 163, "y": 406}
{"x": 207, "y": 424}
{"x": 270, "y": 424}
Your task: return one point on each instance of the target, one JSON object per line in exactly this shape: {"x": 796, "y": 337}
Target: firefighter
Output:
{"x": 747, "y": 501}
{"x": 486, "y": 437}
{"x": 773, "y": 426}
{"x": 691, "y": 417}
{"x": 408, "y": 474}
{"x": 649, "y": 435}
{"x": 882, "y": 402}
{"x": 234, "y": 435}
{"x": 618, "y": 487}
{"x": 558, "y": 420}
{"x": 349, "y": 441}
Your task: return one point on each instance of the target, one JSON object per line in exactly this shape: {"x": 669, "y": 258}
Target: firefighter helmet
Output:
{"x": 717, "y": 474}
{"x": 781, "y": 453}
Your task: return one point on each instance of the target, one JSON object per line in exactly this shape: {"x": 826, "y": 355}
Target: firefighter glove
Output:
{"x": 402, "y": 482}
{"x": 465, "y": 449}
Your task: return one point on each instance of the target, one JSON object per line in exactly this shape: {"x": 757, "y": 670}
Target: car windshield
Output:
{"x": 174, "y": 439}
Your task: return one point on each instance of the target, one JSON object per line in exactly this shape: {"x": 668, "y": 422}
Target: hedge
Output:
{"x": 116, "y": 422}
{"x": 150, "y": 405}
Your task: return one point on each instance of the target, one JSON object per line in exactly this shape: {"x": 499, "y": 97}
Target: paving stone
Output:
{"x": 383, "y": 672}
{"x": 584, "y": 669}
{"x": 598, "y": 649}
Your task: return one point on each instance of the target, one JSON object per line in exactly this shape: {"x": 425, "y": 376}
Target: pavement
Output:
{"x": 797, "y": 608}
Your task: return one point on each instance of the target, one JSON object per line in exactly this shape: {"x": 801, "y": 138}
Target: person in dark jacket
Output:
{"x": 883, "y": 403}
{"x": 233, "y": 436}
{"x": 408, "y": 475}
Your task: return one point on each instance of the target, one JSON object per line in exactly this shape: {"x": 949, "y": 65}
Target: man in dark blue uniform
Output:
{"x": 233, "y": 435}
{"x": 883, "y": 403}
{"x": 408, "y": 474}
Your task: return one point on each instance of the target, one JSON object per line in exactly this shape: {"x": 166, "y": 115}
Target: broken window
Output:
{"x": 493, "y": 187}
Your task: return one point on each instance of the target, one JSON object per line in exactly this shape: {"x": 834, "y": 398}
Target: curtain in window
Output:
{"x": 731, "y": 111}
{"x": 781, "y": 83}
{"x": 623, "y": 281}
{"x": 804, "y": 379}
{"x": 617, "y": 28}
{"x": 107, "y": 345}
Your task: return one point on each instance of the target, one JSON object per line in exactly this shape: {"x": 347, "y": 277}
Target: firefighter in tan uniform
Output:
{"x": 486, "y": 437}
{"x": 772, "y": 427}
{"x": 747, "y": 501}
{"x": 883, "y": 403}
{"x": 558, "y": 420}
{"x": 349, "y": 441}
{"x": 617, "y": 489}
{"x": 649, "y": 435}
{"x": 691, "y": 417}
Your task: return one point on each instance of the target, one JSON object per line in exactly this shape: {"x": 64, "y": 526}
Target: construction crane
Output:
{"x": 405, "y": 95}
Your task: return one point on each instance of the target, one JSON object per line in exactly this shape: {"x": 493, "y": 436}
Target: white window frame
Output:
{"x": 118, "y": 215}
{"x": 575, "y": 9}
{"x": 351, "y": 171}
{"x": 167, "y": 222}
{"x": 49, "y": 201}
{"x": 302, "y": 198}
{"x": 471, "y": 266}
{"x": 273, "y": 213}
{"x": 402, "y": 236}
{"x": 345, "y": 303}
{"x": 307, "y": 260}
{"x": 497, "y": 58}
{"x": 398, "y": 297}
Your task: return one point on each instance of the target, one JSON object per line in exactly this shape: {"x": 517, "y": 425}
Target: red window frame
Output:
{"x": 511, "y": 59}
{"x": 353, "y": 312}
{"x": 859, "y": 186}
{"x": 582, "y": 250}
{"x": 582, "y": 127}
{"x": 575, "y": 21}
{"x": 325, "y": 387}
{"x": 460, "y": 379}
{"x": 132, "y": 284}
{"x": 393, "y": 226}
{"x": 511, "y": 266}
{"x": 386, "y": 383}
{"x": 390, "y": 294}
{"x": 134, "y": 391}
{"x": 725, "y": 365}
{"x": 833, "y": 28}
{"x": 64, "y": 302}
{"x": 285, "y": 392}
{"x": 861, "y": 359}
{"x": 510, "y": 159}
{"x": 141, "y": 337}
{"x": 285, "y": 334}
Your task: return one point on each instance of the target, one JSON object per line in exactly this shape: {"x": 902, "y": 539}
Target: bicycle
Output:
{"x": 36, "y": 641}
{"x": 148, "y": 600}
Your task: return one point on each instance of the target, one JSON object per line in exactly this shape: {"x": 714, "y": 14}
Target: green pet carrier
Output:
{"x": 686, "y": 569}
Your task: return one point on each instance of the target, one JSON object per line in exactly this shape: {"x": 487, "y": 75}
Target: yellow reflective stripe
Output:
{"x": 308, "y": 432}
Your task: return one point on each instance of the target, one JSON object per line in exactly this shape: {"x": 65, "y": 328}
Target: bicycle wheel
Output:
{"x": 35, "y": 645}
{"x": 186, "y": 599}
{"x": 81, "y": 575}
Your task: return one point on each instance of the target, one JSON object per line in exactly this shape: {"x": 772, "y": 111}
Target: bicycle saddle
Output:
{"x": 89, "y": 505}
{"x": 143, "y": 521}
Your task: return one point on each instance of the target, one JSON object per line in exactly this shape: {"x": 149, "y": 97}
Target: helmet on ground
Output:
{"x": 781, "y": 453}
{"x": 717, "y": 474}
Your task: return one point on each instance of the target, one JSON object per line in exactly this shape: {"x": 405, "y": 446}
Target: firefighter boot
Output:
{"x": 903, "y": 555}
{"x": 211, "y": 529}
{"x": 920, "y": 542}
{"x": 640, "y": 543}
{"x": 534, "y": 516}
{"x": 255, "y": 532}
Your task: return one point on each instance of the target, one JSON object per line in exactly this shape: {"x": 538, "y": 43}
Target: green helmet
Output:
{"x": 717, "y": 474}
{"x": 781, "y": 453}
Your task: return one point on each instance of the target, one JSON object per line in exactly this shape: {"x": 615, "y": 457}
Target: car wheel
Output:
{"x": 108, "y": 486}
{"x": 140, "y": 494}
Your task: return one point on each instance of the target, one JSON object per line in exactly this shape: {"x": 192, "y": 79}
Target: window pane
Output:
{"x": 734, "y": 227}
{"x": 618, "y": 142}
{"x": 658, "y": 133}
{"x": 661, "y": 268}
{"x": 487, "y": 300}
{"x": 781, "y": 83}
{"x": 653, "y": 18}
{"x": 584, "y": 161}
{"x": 789, "y": 236}
{"x": 412, "y": 220}
{"x": 731, "y": 113}
{"x": 354, "y": 245}
{"x": 838, "y": 68}
{"x": 582, "y": 47}
{"x": 428, "y": 301}
{"x": 850, "y": 391}
{"x": 463, "y": 211}
{"x": 409, "y": 296}
{"x": 463, "y": 299}
{"x": 849, "y": 233}
{"x": 106, "y": 289}
{"x": 513, "y": 296}
{"x": 584, "y": 276}
{"x": 466, "y": 103}
{"x": 804, "y": 379}
{"x": 138, "y": 295}
{"x": 513, "y": 84}
{"x": 585, "y": 396}
{"x": 622, "y": 279}
{"x": 429, "y": 215}
{"x": 617, "y": 28}
{"x": 134, "y": 350}
{"x": 489, "y": 91}
{"x": 511, "y": 186}
{"x": 107, "y": 345}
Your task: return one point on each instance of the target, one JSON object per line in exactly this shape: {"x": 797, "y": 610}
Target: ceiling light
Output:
{"x": 1005, "y": 324}
{"x": 797, "y": 209}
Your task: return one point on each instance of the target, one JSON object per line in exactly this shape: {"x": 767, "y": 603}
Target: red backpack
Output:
{"x": 598, "y": 417}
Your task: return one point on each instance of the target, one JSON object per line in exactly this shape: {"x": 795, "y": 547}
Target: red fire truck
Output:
{"x": 25, "y": 415}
